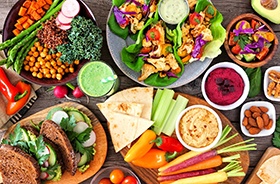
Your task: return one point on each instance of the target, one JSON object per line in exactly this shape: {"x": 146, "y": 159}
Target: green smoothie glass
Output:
{"x": 97, "y": 79}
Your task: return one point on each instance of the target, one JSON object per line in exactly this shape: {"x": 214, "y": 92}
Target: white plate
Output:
{"x": 271, "y": 113}
{"x": 266, "y": 82}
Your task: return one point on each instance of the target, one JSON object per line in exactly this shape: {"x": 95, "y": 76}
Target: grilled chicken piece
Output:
{"x": 146, "y": 71}
{"x": 170, "y": 59}
{"x": 159, "y": 63}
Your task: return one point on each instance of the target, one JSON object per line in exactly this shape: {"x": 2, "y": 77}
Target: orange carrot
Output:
{"x": 167, "y": 182}
{"x": 26, "y": 4}
{"x": 35, "y": 15}
{"x": 49, "y": 2}
{"x": 40, "y": 10}
{"x": 30, "y": 21}
{"x": 46, "y": 7}
{"x": 16, "y": 32}
{"x": 22, "y": 11}
{"x": 22, "y": 19}
{"x": 18, "y": 26}
{"x": 41, "y": 3}
{"x": 25, "y": 25}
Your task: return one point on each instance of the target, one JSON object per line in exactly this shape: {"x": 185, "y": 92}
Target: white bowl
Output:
{"x": 271, "y": 113}
{"x": 243, "y": 75}
{"x": 198, "y": 149}
{"x": 266, "y": 82}
{"x": 105, "y": 173}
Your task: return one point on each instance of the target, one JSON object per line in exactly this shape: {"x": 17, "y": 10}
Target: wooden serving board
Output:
{"x": 101, "y": 142}
{"x": 150, "y": 175}
{"x": 270, "y": 152}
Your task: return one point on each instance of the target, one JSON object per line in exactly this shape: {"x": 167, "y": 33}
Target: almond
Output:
{"x": 256, "y": 114}
{"x": 269, "y": 124}
{"x": 254, "y": 130}
{"x": 248, "y": 126}
{"x": 252, "y": 122}
{"x": 260, "y": 122}
{"x": 247, "y": 113}
{"x": 255, "y": 109}
{"x": 245, "y": 121}
{"x": 265, "y": 119}
{"x": 263, "y": 109}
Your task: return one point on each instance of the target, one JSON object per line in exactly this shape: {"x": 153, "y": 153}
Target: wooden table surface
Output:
{"x": 100, "y": 8}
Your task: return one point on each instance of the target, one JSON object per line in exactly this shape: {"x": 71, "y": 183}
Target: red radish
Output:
{"x": 70, "y": 8}
{"x": 186, "y": 175}
{"x": 63, "y": 20}
{"x": 80, "y": 127}
{"x": 46, "y": 164}
{"x": 60, "y": 91}
{"x": 44, "y": 175}
{"x": 64, "y": 27}
{"x": 78, "y": 157}
{"x": 91, "y": 140}
{"x": 77, "y": 93}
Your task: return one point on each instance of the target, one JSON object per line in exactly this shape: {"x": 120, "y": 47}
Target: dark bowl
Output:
{"x": 252, "y": 64}
{"x": 7, "y": 34}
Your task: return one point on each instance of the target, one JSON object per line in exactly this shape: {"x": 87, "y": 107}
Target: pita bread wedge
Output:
{"x": 129, "y": 108}
{"x": 269, "y": 171}
{"x": 141, "y": 95}
{"x": 125, "y": 128}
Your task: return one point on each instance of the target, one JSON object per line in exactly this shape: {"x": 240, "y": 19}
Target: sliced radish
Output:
{"x": 91, "y": 140}
{"x": 63, "y": 19}
{"x": 44, "y": 175}
{"x": 78, "y": 157}
{"x": 80, "y": 127}
{"x": 46, "y": 164}
{"x": 70, "y": 8}
{"x": 46, "y": 151}
{"x": 58, "y": 115}
{"x": 64, "y": 27}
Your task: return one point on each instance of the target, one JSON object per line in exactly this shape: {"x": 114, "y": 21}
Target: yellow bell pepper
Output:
{"x": 142, "y": 146}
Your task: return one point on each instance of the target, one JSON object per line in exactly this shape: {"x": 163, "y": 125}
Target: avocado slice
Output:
{"x": 249, "y": 57}
{"x": 272, "y": 15}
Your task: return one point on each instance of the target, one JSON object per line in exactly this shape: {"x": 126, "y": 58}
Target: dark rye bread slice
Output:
{"x": 54, "y": 132}
{"x": 18, "y": 167}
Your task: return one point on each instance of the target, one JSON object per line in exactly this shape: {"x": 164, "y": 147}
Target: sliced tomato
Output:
{"x": 195, "y": 19}
{"x": 236, "y": 49}
{"x": 255, "y": 24}
{"x": 231, "y": 41}
{"x": 146, "y": 50}
{"x": 261, "y": 55}
{"x": 153, "y": 34}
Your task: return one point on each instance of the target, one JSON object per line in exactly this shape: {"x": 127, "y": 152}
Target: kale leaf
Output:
{"x": 85, "y": 41}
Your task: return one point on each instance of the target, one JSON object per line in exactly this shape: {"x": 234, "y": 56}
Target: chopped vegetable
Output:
{"x": 168, "y": 143}
{"x": 85, "y": 41}
{"x": 154, "y": 159}
{"x": 141, "y": 147}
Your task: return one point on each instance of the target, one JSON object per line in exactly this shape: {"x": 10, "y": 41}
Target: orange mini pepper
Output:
{"x": 13, "y": 107}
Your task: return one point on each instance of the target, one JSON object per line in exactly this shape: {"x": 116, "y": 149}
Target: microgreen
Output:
{"x": 242, "y": 40}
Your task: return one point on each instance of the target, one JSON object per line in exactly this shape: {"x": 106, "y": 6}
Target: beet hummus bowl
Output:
{"x": 225, "y": 86}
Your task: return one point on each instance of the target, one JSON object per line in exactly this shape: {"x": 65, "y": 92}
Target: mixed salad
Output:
{"x": 160, "y": 52}
{"x": 250, "y": 40}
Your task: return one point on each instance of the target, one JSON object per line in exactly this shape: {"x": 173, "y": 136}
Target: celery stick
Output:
{"x": 158, "y": 130}
{"x": 180, "y": 105}
{"x": 156, "y": 101}
{"x": 162, "y": 107}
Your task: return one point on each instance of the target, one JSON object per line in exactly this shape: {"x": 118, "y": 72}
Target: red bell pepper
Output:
{"x": 169, "y": 144}
{"x": 13, "y": 107}
{"x": 236, "y": 49}
{"x": 8, "y": 89}
{"x": 231, "y": 41}
{"x": 261, "y": 55}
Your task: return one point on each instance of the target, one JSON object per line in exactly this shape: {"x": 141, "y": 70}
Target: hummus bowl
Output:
{"x": 198, "y": 128}
{"x": 225, "y": 86}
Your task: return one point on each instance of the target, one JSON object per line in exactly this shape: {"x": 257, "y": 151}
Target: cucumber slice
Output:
{"x": 78, "y": 116}
{"x": 83, "y": 160}
{"x": 53, "y": 156}
{"x": 58, "y": 115}
{"x": 52, "y": 111}
{"x": 80, "y": 127}
{"x": 25, "y": 137}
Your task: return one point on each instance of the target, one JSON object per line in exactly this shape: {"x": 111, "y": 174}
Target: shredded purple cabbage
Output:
{"x": 240, "y": 30}
{"x": 171, "y": 74}
{"x": 144, "y": 55}
{"x": 199, "y": 43}
{"x": 120, "y": 17}
{"x": 255, "y": 45}
{"x": 262, "y": 28}
{"x": 134, "y": 1}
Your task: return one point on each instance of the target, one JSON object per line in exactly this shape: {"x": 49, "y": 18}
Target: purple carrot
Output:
{"x": 186, "y": 175}
{"x": 191, "y": 161}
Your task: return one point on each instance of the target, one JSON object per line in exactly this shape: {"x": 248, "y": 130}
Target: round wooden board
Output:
{"x": 150, "y": 175}
{"x": 101, "y": 142}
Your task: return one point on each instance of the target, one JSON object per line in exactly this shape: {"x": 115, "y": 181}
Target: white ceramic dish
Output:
{"x": 202, "y": 148}
{"x": 105, "y": 173}
{"x": 240, "y": 71}
{"x": 271, "y": 113}
{"x": 266, "y": 82}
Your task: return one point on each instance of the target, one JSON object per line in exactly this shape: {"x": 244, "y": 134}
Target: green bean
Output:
{"x": 22, "y": 54}
{"x": 14, "y": 40}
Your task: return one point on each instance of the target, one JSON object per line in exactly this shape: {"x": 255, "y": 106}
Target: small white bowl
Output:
{"x": 105, "y": 173}
{"x": 271, "y": 113}
{"x": 243, "y": 75}
{"x": 185, "y": 144}
{"x": 266, "y": 82}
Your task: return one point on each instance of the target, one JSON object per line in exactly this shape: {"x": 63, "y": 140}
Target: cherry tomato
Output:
{"x": 129, "y": 180}
{"x": 153, "y": 34}
{"x": 105, "y": 181}
{"x": 236, "y": 49}
{"x": 116, "y": 176}
{"x": 195, "y": 19}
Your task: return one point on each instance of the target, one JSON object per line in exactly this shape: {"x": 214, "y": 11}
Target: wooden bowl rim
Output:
{"x": 250, "y": 64}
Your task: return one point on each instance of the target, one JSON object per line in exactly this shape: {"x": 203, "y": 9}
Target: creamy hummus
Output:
{"x": 224, "y": 86}
{"x": 198, "y": 127}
